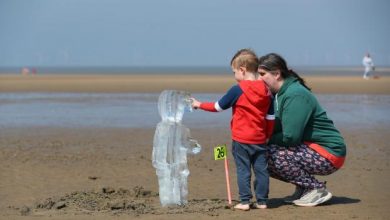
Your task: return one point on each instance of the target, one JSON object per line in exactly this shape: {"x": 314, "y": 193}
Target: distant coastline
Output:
{"x": 214, "y": 70}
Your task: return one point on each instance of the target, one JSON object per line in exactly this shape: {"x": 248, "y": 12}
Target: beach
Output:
{"x": 190, "y": 82}
{"x": 105, "y": 172}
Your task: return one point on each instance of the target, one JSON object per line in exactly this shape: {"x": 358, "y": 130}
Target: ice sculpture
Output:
{"x": 172, "y": 142}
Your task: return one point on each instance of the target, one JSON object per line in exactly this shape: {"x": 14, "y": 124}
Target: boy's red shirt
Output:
{"x": 252, "y": 112}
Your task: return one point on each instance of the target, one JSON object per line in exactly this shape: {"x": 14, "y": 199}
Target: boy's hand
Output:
{"x": 195, "y": 103}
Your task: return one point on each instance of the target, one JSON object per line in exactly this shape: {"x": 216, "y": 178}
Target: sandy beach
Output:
{"x": 106, "y": 173}
{"x": 191, "y": 82}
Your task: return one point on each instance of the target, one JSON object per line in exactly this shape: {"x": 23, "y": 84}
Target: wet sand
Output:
{"x": 106, "y": 173}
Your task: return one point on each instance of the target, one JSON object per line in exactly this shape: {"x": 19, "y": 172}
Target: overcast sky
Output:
{"x": 191, "y": 33}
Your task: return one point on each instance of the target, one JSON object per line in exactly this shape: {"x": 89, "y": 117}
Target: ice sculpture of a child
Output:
{"x": 172, "y": 142}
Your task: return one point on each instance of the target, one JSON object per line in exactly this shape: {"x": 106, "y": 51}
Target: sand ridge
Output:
{"x": 191, "y": 82}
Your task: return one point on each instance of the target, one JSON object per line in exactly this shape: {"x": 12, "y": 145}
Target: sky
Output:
{"x": 74, "y": 33}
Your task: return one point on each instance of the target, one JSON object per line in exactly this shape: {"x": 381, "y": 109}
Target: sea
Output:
{"x": 139, "y": 110}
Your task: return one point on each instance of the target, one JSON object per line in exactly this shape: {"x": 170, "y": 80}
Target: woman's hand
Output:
{"x": 195, "y": 103}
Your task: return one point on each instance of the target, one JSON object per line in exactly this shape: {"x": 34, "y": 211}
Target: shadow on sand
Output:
{"x": 336, "y": 200}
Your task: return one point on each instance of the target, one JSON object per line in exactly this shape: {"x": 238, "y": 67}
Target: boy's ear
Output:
{"x": 242, "y": 69}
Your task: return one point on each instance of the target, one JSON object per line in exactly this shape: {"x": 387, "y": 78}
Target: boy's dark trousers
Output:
{"x": 247, "y": 156}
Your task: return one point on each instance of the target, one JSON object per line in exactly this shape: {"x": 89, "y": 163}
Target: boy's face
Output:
{"x": 239, "y": 73}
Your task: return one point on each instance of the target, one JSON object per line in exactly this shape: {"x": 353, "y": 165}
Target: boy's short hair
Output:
{"x": 245, "y": 58}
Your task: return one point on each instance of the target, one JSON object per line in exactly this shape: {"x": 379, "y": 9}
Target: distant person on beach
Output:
{"x": 368, "y": 66}
{"x": 251, "y": 126}
{"x": 305, "y": 141}
{"x": 25, "y": 71}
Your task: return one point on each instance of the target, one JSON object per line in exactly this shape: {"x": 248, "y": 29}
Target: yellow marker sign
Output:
{"x": 220, "y": 152}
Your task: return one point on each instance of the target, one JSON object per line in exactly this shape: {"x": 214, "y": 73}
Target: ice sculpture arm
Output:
{"x": 192, "y": 145}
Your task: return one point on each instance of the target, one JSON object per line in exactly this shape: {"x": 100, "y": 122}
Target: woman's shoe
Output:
{"x": 314, "y": 197}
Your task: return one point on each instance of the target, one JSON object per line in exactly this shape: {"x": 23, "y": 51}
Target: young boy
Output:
{"x": 251, "y": 127}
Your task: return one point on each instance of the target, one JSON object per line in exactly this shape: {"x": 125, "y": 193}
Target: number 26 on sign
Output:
{"x": 220, "y": 152}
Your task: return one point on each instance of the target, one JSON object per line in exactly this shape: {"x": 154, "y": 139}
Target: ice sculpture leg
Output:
{"x": 172, "y": 142}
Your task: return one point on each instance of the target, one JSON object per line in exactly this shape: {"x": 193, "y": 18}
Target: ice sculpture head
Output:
{"x": 172, "y": 104}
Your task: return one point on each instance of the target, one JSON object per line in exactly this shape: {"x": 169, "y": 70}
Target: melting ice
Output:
{"x": 172, "y": 142}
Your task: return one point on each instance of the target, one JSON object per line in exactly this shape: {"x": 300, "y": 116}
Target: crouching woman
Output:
{"x": 305, "y": 141}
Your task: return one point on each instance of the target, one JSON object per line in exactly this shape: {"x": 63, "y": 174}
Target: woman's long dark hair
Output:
{"x": 273, "y": 61}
